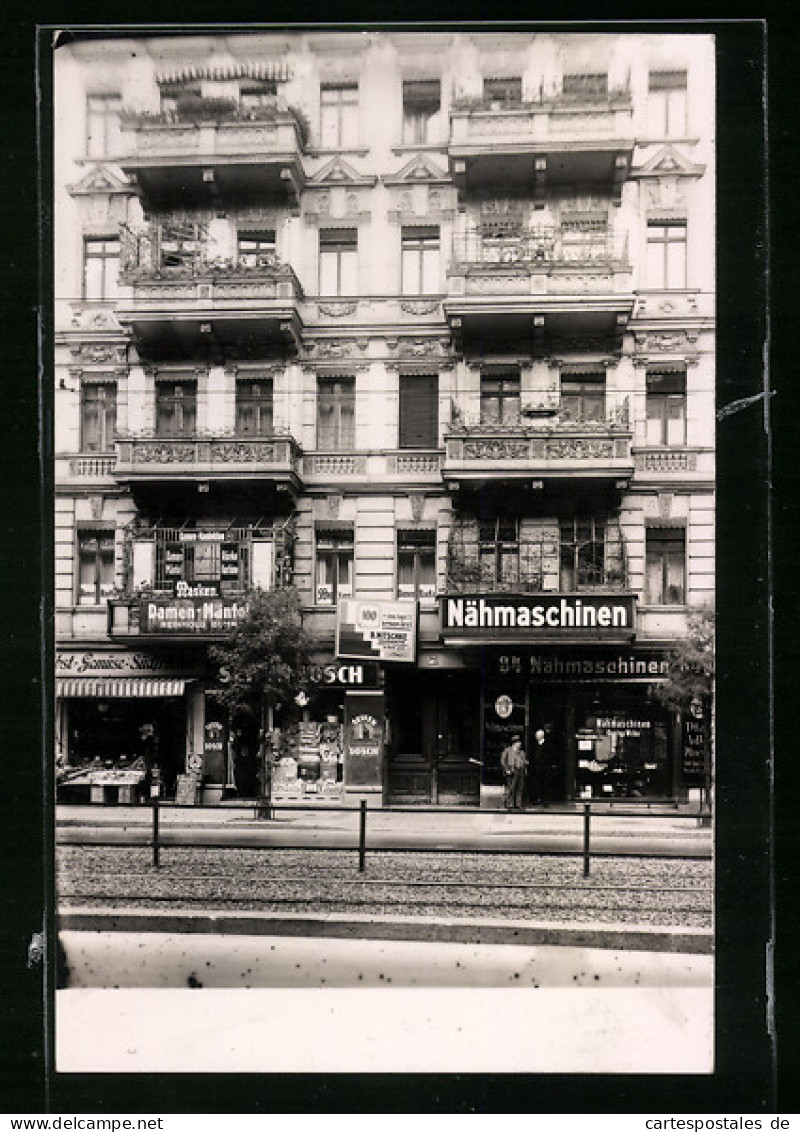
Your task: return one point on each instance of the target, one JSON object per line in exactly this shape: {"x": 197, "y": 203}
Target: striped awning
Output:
{"x": 118, "y": 687}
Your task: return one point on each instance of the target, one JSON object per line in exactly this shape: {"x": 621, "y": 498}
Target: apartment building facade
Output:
{"x": 421, "y": 325}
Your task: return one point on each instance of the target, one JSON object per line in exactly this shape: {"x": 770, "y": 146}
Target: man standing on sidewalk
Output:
{"x": 513, "y": 763}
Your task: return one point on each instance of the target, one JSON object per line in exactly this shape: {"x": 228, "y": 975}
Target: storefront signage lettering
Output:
{"x": 345, "y": 675}
{"x": 615, "y": 666}
{"x": 185, "y": 589}
{"x": 201, "y": 536}
{"x": 496, "y": 614}
{"x": 696, "y": 742}
{"x": 190, "y": 615}
{"x": 93, "y": 663}
{"x": 377, "y": 630}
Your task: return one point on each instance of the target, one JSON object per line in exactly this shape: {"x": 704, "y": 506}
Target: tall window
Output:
{"x": 338, "y": 261}
{"x": 98, "y": 416}
{"x": 502, "y": 90}
{"x": 176, "y": 408}
{"x": 419, "y": 411}
{"x": 95, "y": 566}
{"x": 100, "y": 267}
{"x": 583, "y": 397}
{"x": 255, "y": 249}
{"x": 254, "y": 401}
{"x": 336, "y": 402}
{"x": 666, "y": 566}
{"x": 102, "y": 125}
{"x": 582, "y": 553}
{"x": 500, "y": 397}
{"x": 416, "y": 564}
{"x": 421, "y": 103}
{"x": 181, "y": 244}
{"x": 420, "y": 261}
{"x": 334, "y": 565}
{"x": 585, "y": 85}
{"x": 666, "y": 104}
{"x": 498, "y": 552}
{"x": 666, "y": 254}
{"x": 339, "y": 116}
{"x": 666, "y": 408}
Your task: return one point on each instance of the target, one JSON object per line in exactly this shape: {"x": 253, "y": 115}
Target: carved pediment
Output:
{"x": 339, "y": 172}
{"x": 668, "y": 162}
{"x": 99, "y": 179}
{"x": 419, "y": 168}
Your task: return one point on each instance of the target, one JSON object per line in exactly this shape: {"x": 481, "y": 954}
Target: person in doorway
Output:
{"x": 546, "y": 768}
{"x": 513, "y": 763}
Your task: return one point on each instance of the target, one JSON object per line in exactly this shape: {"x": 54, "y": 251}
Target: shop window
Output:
{"x": 176, "y": 408}
{"x": 666, "y": 104}
{"x": 582, "y": 553}
{"x": 95, "y": 566}
{"x": 98, "y": 416}
{"x": 583, "y": 397}
{"x": 666, "y": 566}
{"x": 254, "y": 404}
{"x": 336, "y": 399}
{"x": 585, "y": 86}
{"x": 419, "y": 411}
{"x": 338, "y": 261}
{"x": 421, "y": 103}
{"x": 334, "y": 565}
{"x": 228, "y": 562}
{"x": 100, "y": 267}
{"x": 500, "y": 397}
{"x": 255, "y": 249}
{"x": 103, "y": 137}
{"x": 339, "y": 116}
{"x": 419, "y": 258}
{"x": 498, "y": 552}
{"x": 666, "y": 254}
{"x": 666, "y": 408}
{"x": 416, "y": 564}
{"x": 503, "y": 90}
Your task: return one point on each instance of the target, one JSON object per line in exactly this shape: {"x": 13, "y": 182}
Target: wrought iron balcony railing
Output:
{"x": 541, "y": 248}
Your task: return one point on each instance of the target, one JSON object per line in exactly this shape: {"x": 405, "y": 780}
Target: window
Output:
{"x": 175, "y": 94}
{"x": 176, "y": 408}
{"x": 336, "y": 399}
{"x": 419, "y": 274}
{"x": 416, "y": 564}
{"x": 254, "y": 401}
{"x": 502, "y": 90}
{"x": 100, "y": 267}
{"x": 256, "y": 249}
{"x": 419, "y": 411}
{"x": 338, "y": 261}
{"x": 583, "y": 397}
{"x": 98, "y": 416}
{"x": 585, "y": 86}
{"x": 254, "y": 95}
{"x": 339, "y": 117}
{"x": 334, "y": 574}
{"x": 666, "y": 566}
{"x": 666, "y": 254}
{"x": 666, "y": 408}
{"x": 582, "y": 553}
{"x": 500, "y": 397}
{"x": 102, "y": 125}
{"x": 181, "y": 245}
{"x": 95, "y": 566}
{"x": 498, "y": 552}
{"x": 225, "y": 560}
{"x": 421, "y": 103}
{"x": 666, "y": 104}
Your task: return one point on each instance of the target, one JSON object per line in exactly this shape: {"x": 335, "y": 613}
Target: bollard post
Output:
{"x": 155, "y": 831}
{"x": 587, "y": 818}
{"x": 362, "y": 836}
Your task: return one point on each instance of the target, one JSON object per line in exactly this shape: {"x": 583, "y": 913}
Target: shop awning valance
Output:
{"x": 119, "y": 688}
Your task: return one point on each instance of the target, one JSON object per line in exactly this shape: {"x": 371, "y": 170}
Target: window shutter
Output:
{"x": 419, "y": 410}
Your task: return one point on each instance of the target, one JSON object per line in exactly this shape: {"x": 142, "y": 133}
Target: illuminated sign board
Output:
{"x": 377, "y": 630}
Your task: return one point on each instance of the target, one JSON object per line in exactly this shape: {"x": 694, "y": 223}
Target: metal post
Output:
{"x": 362, "y": 836}
{"x": 155, "y": 830}
{"x": 587, "y": 818}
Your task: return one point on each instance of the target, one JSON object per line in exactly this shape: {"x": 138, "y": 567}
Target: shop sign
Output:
{"x": 526, "y": 616}
{"x": 504, "y": 706}
{"x": 198, "y": 589}
{"x": 190, "y": 614}
{"x": 336, "y": 675}
{"x": 642, "y": 665}
{"x": 90, "y": 663}
{"x": 364, "y": 721}
{"x": 377, "y": 630}
{"x": 696, "y": 741}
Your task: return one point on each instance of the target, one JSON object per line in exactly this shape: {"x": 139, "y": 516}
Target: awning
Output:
{"x": 119, "y": 688}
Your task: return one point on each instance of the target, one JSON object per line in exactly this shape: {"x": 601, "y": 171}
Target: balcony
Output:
{"x": 200, "y": 459}
{"x": 220, "y": 151}
{"x": 184, "y": 297}
{"x": 580, "y": 138}
{"x": 537, "y": 456}
{"x": 542, "y": 285}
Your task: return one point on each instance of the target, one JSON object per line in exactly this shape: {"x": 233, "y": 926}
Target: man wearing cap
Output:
{"x": 513, "y": 764}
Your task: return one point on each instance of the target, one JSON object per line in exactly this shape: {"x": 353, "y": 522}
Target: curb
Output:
{"x": 696, "y": 941}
